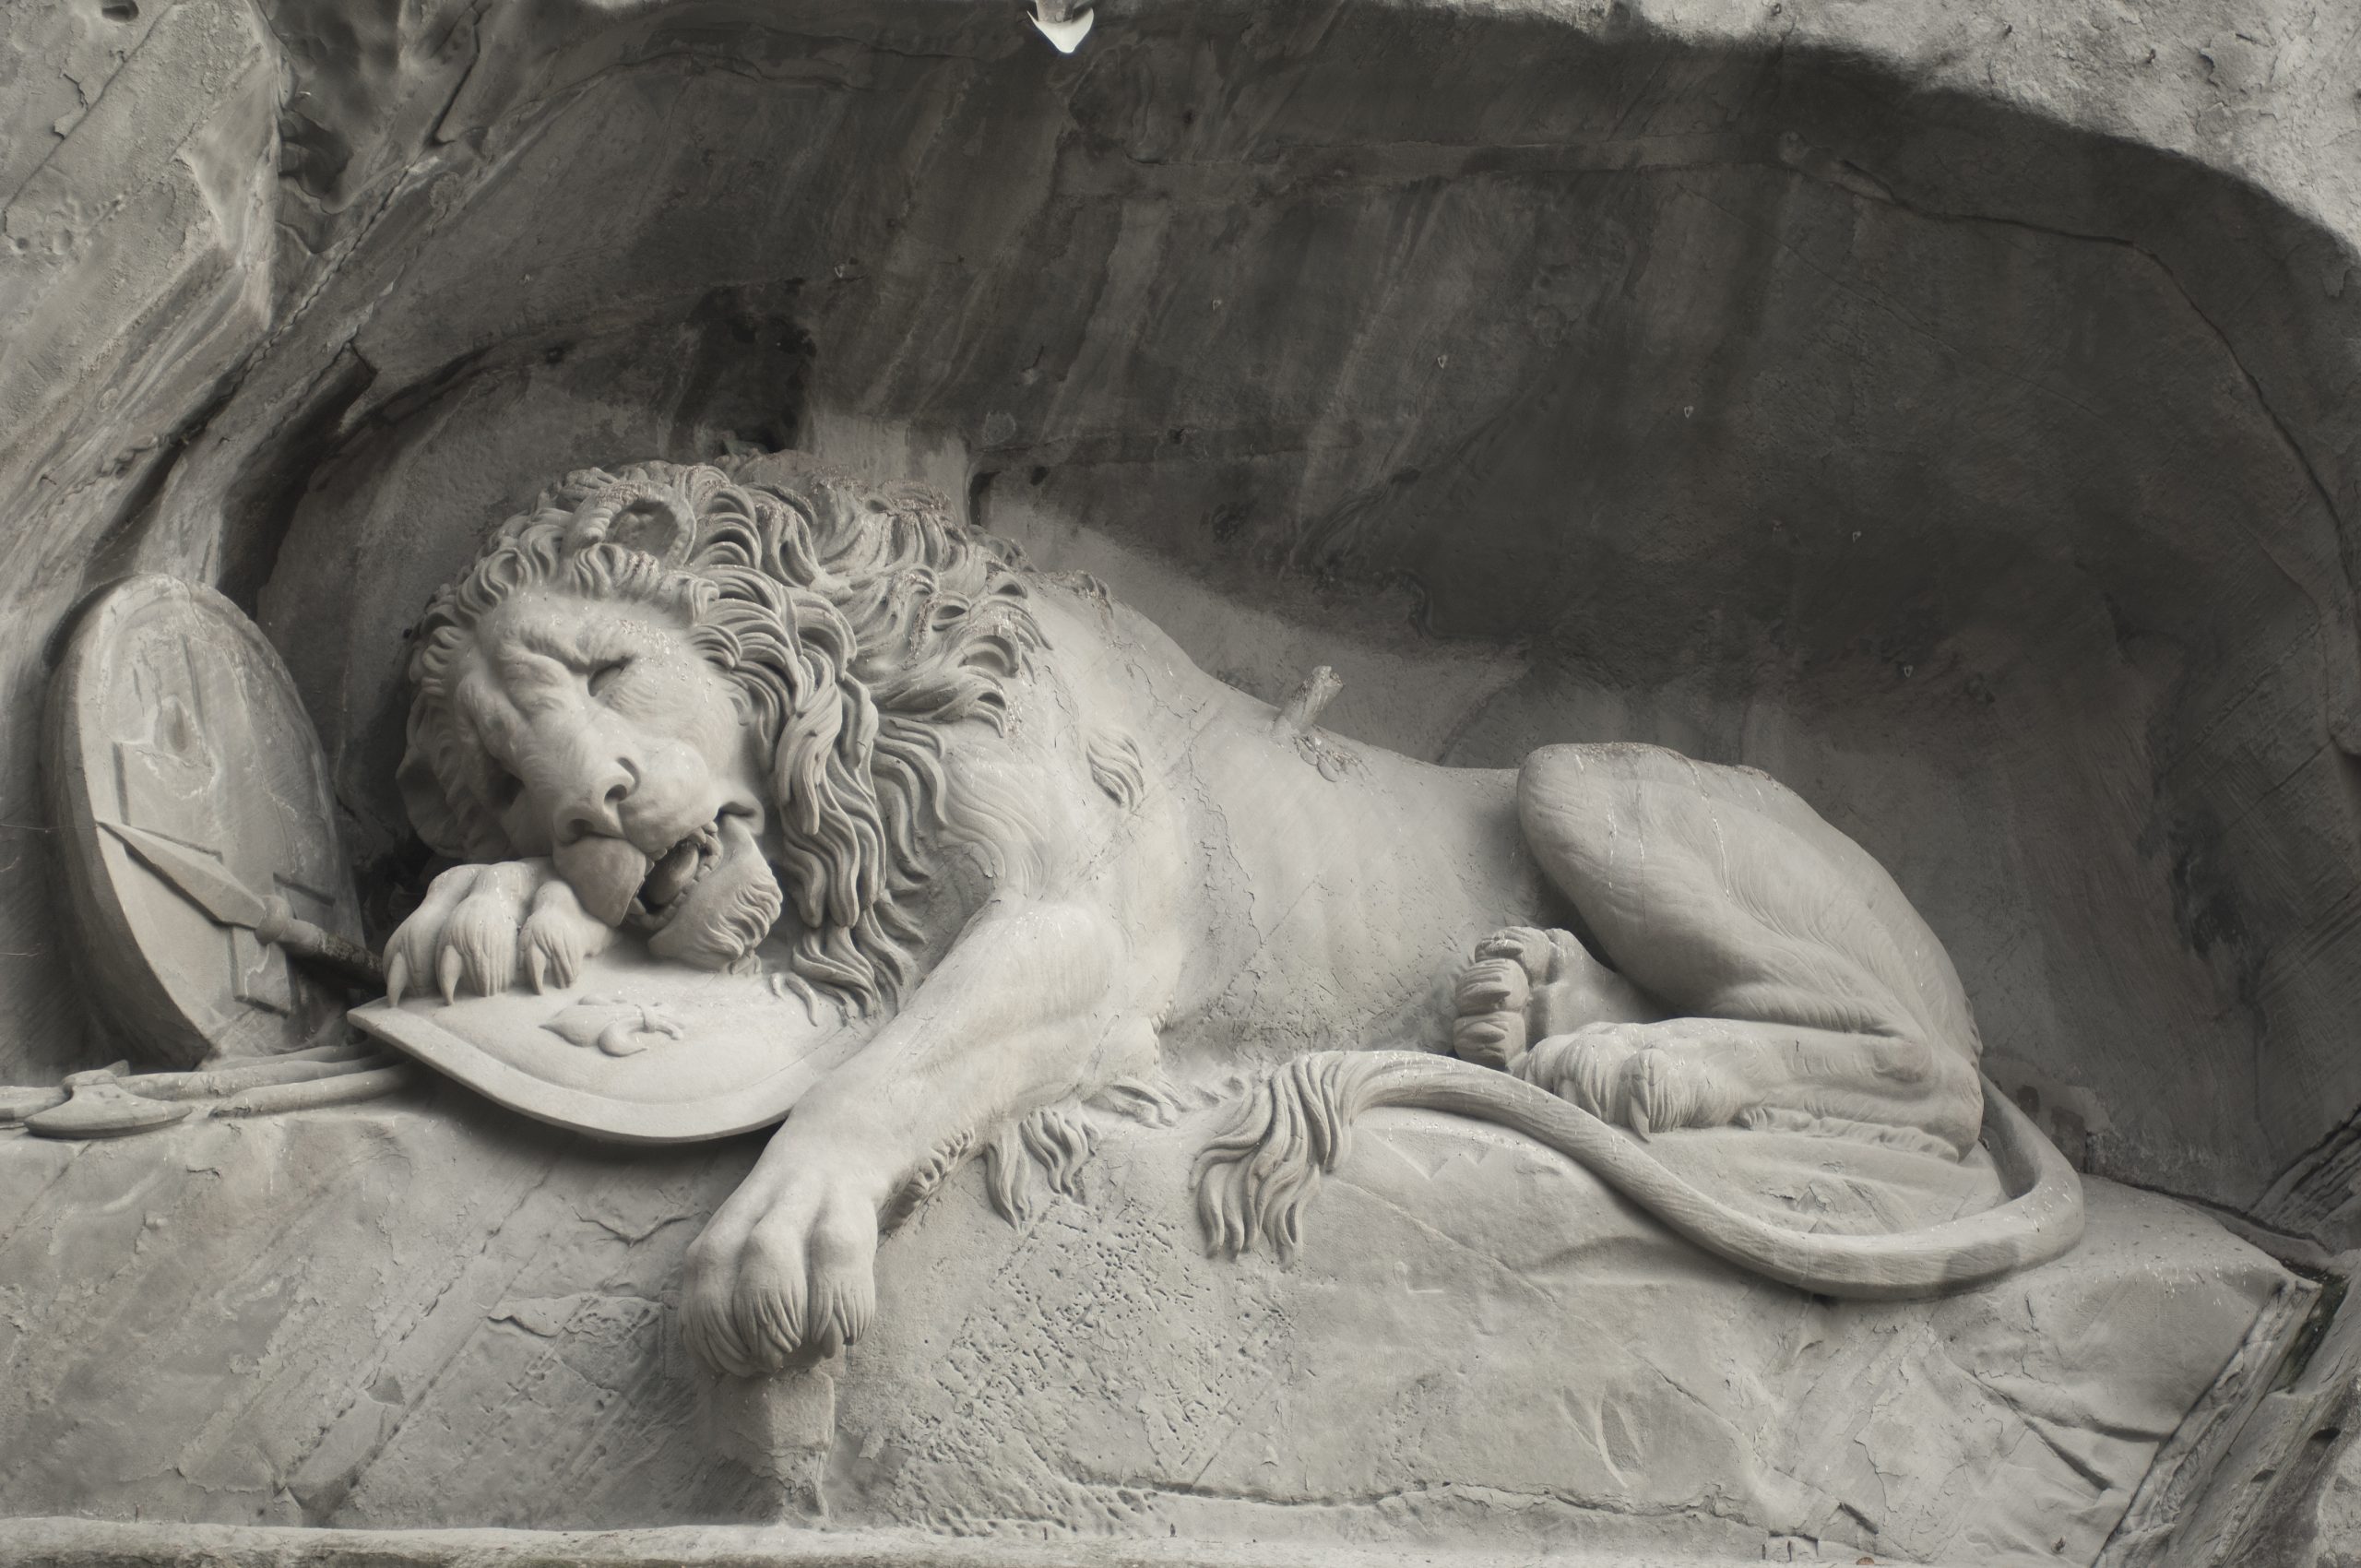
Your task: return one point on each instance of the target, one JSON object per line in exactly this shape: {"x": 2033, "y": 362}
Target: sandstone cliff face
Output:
{"x": 1949, "y": 409}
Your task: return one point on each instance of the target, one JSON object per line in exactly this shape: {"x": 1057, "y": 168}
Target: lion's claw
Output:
{"x": 485, "y": 928}
{"x": 483, "y": 935}
{"x": 1527, "y": 947}
{"x": 1499, "y": 1000}
{"x": 559, "y": 936}
{"x": 781, "y": 1276}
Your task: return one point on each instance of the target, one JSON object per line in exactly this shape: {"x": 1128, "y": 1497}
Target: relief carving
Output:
{"x": 218, "y": 923}
{"x": 736, "y": 740}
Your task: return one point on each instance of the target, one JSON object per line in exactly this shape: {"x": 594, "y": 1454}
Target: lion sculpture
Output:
{"x": 1013, "y": 821}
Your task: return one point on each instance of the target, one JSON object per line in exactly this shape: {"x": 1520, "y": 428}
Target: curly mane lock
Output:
{"x": 857, "y": 623}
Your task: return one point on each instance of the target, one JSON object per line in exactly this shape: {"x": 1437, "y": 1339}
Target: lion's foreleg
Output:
{"x": 1013, "y": 1016}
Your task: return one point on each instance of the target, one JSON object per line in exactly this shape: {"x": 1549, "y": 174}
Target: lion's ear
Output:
{"x": 639, "y": 513}
{"x": 660, "y": 525}
{"x": 429, "y": 807}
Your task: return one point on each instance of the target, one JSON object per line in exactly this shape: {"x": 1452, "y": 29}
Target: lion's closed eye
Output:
{"x": 604, "y": 675}
{"x": 501, "y": 787}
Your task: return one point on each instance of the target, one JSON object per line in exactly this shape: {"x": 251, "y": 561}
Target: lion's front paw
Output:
{"x": 781, "y": 1276}
{"x": 559, "y": 936}
{"x": 482, "y": 928}
{"x": 1644, "y": 1076}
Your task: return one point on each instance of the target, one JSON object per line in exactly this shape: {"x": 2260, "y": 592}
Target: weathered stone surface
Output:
{"x": 500, "y": 1351}
{"x": 89, "y": 1543}
{"x": 1949, "y": 409}
{"x": 138, "y": 157}
{"x": 1540, "y": 326}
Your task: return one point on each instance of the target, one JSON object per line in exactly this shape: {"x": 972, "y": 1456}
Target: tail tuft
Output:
{"x": 1294, "y": 1127}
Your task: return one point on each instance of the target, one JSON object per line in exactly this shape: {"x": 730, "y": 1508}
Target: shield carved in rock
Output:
{"x": 170, "y": 714}
{"x": 638, "y": 1049}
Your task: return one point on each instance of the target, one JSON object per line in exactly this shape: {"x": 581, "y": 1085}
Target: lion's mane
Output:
{"x": 857, "y": 622}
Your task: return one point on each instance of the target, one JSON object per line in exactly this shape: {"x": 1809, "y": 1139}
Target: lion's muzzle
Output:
{"x": 727, "y": 908}
{"x": 605, "y": 874}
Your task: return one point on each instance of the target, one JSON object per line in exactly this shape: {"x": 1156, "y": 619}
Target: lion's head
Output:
{"x": 669, "y": 678}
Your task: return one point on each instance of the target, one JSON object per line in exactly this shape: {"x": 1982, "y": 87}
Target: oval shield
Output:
{"x": 637, "y": 1050}
{"x": 172, "y": 724}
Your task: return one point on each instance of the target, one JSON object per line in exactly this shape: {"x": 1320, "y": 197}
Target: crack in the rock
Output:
{"x": 2344, "y": 673}
{"x": 90, "y": 107}
{"x": 1711, "y": 1505}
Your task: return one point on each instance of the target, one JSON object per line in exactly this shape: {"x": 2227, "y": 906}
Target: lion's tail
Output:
{"x": 1253, "y": 1182}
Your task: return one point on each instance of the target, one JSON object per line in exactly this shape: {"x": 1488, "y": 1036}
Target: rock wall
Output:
{"x": 1478, "y": 1348}
{"x": 138, "y": 187}
{"x": 1950, "y": 413}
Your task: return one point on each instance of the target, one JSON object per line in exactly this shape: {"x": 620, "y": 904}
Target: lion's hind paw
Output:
{"x": 1648, "y": 1077}
{"x": 1495, "y": 994}
{"x": 1508, "y": 994}
{"x": 1490, "y": 997}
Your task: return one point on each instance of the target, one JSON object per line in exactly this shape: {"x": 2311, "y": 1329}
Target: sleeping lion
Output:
{"x": 1012, "y": 819}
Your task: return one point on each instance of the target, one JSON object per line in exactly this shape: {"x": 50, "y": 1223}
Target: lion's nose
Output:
{"x": 598, "y": 809}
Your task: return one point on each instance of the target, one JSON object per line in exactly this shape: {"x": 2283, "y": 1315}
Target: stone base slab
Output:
{"x": 92, "y": 1543}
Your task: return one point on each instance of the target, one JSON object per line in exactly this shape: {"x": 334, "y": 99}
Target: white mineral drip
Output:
{"x": 1063, "y": 26}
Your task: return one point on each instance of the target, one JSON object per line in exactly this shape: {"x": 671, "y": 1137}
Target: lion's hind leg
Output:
{"x": 1798, "y": 980}
{"x": 1717, "y": 1071}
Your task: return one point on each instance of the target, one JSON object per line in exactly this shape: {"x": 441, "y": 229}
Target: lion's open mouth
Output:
{"x": 707, "y": 901}
{"x": 711, "y": 899}
{"x": 679, "y": 869}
